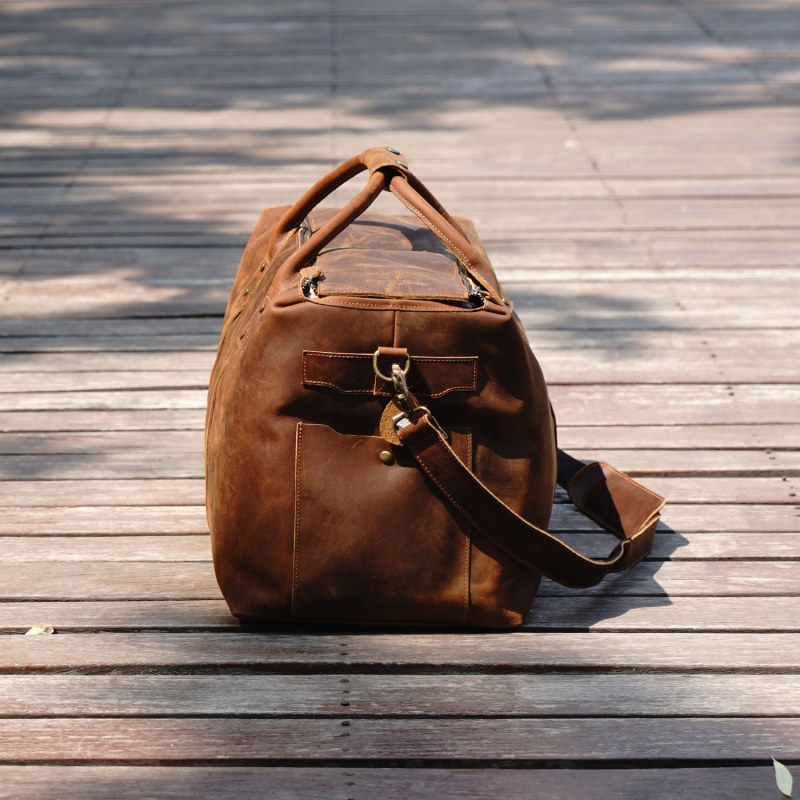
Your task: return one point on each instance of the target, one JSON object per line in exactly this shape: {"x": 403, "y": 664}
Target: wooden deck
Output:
{"x": 634, "y": 168}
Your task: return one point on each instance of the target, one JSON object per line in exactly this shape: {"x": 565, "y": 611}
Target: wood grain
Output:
{"x": 567, "y": 741}
{"x": 556, "y": 613}
{"x": 632, "y": 172}
{"x": 301, "y": 651}
{"x": 44, "y": 782}
{"x": 549, "y": 695}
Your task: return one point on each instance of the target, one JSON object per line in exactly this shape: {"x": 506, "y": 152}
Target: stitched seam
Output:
{"x": 631, "y": 481}
{"x": 373, "y": 390}
{"x": 536, "y": 528}
{"x": 511, "y": 555}
{"x": 322, "y": 354}
{"x": 426, "y": 359}
{"x": 340, "y": 390}
{"x": 444, "y": 491}
{"x": 468, "y": 548}
{"x": 381, "y": 392}
{"x": 634, "y": 483}
{"x": 296, "y": 548}
{"x": 332, "y": 301}
{"x": 433, "y": 227}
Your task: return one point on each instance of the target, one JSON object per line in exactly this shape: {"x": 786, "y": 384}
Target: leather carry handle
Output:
{"x": 621, "y": 505}
{"x": 388, "y": 171}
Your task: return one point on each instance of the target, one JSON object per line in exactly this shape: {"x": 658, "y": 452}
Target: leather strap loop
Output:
{"x": 618, "y": 503}
{"x": 373, "y": 160}
{"x": 428, "y": 209}
{"x": 388, "y": 170}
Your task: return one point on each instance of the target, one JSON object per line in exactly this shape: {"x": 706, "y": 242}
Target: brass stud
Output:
{"x": 242, "y": 334}
{"x": 386, "y": 457}
{"x": 261, "y": 308}
{"x": 262, "y": 266}
{"x": 246, "y": 292}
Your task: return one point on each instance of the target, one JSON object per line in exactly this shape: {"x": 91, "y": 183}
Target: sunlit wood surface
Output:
{"x": 634, "y": 169}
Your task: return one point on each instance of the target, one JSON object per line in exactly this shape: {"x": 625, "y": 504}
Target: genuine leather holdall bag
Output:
{"x": 380, "y": 445}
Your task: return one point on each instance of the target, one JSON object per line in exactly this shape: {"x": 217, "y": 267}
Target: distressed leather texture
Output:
{"x": 320, "y": 513}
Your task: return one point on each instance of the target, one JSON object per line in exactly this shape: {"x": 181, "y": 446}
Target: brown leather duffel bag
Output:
{"x": 380, "y": 445}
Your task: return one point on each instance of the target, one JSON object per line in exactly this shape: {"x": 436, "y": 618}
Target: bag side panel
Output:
{"x": 257, "y": 398}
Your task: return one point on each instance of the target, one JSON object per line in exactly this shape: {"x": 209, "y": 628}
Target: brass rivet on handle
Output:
{"x": 393, "y": 150}
{"x": 242, "y": 334}
{"x": 261, "y": 308}
{"x": 405, "y": 166}
{"x": 386, "y": 457}
{"x": 262, "y": 266}
{"x": 246, "y": 292}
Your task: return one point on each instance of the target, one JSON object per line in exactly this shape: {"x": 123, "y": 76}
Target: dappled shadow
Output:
{"x": 142, "y": 138}
{"x": 620, "y": 595}
{"x": 104, "y": 103}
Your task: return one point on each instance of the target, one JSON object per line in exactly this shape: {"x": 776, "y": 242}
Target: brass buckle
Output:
{"x": 403, "y": 398}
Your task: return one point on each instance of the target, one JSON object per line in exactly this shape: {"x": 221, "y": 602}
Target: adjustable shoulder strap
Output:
{"x": 621, "y": 505}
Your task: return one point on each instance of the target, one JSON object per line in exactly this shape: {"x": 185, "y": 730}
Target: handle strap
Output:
{"x": 621, "y": 505}
{"x": 389, "y": 171}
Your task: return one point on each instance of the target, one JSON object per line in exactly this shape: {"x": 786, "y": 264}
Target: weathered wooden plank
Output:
{"x": 158, "y": 420}
{"x": 536, "y": 306}
{"x": 236, "y": 208}
{"x": 94, "y": 545}
{"x": 43, "y": 782}
{"x": 725, "y": 490}
{"x": 108, "y": 442}
{"x": 67, "y": 343}
{"x": 576, "y": 613}
{"x": 38, "y": 549}
{"x": 604, "y": 437}
{"x": 108, "y": 579}
{"x": 606, "y": 440}
{"x": 126, "y": 519}
{"x": 121, "y": 330}
{"x": 103, "y": 361}
{"x": 610, "y": 405}
{"x": 707, "y": 221}
{"x": 582, "y": 366}
{"x": 705, "y": 476}
{"x": 714, "y": 578}
{"x": 165, "y": 399}
{"x": 178, "y": 377}
{"x": 102, "y": 334}
{"x": 152, "y": 580}
{"x": 103, "y": 465}
{"x": 120, "y": 615}
{"x": 137, "y": 510}
{"x": 346, "y": 651}
{"x": 205, "y": 188}
{"x": 579, "y": 367}
{"x": 331, "y": 695}
{"x": 563, "y": 740}
{"x": 585, "y": 612}
{"x": 175, "y": 492}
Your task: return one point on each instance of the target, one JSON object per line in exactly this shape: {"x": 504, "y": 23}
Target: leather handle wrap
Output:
{"x": 374, "y": 160}
{"x": 388, "y": 170}
{"x": 620, "y": 504}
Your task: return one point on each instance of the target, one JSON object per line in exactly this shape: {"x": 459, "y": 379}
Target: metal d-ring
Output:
{"x": 388, "y": 378}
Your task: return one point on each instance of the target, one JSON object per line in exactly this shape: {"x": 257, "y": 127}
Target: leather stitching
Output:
{"x": 421, "y": 214}
{"x": 468, "y": 550}
{"x": 471, "y": 387}
{"x": 638, "y": 486}
{"x": 384, "y": 306}
{"x": 630, "y": 480}
{"x": 296, "y": 548}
